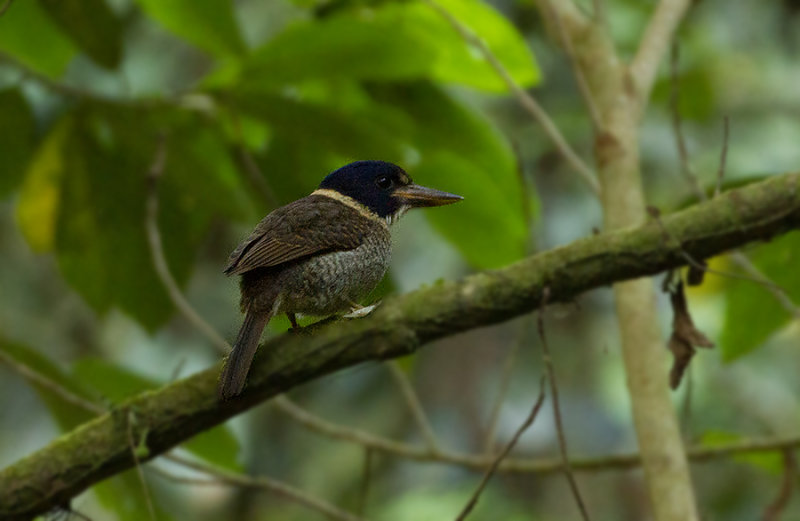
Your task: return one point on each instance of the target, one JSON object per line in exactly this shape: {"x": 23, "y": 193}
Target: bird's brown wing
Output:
{"x": 313, "y": 224}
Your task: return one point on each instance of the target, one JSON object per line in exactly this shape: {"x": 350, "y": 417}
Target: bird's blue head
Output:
{"x": 384, "y": 188}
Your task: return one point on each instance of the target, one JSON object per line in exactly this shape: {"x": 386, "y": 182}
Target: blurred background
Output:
{"x": 253, "y": 102}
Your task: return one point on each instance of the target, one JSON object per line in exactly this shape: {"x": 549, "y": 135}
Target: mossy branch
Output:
{"x": 170, "y": 415}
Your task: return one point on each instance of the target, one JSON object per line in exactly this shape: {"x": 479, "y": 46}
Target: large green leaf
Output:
{"x": 208, "y": 24}
{"x": 752, "y": 313}
{"x": 218, "y": 445}
{"x": 84, "y": 197}
{"x": 461, "y": 153}
{"x": 17, "y": 136}
{"x": 29, "y": 35}
{"x": 406, "y": 40}
{"x": 91, "y": 25}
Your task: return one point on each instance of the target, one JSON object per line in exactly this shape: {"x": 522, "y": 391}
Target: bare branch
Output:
{"x": 654, "y": 44}
{"x": 5, "y": 7}
{"x": 674, "y": 103}
{"x": 49, "y": 384}
{"x": 562, "y": 439}
{"x": 260, "y": 483}
{"x": 132, "y": 445}
{"x": 493, "y": 468}
{"x": 505, "y": 382}
{"x": 527, "y": 101}
{"x": 774, "y": 509}
{"x": 414, "y": 405}
{"x": 159, "y": 259}
{"x": 580, "y": 77}
{"x": 723, "y": 157}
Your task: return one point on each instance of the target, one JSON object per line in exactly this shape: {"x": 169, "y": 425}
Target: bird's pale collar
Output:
{"x": 360, "y": 208}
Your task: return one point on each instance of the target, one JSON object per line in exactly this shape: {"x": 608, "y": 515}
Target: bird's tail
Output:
{"x": 234, "y": 374}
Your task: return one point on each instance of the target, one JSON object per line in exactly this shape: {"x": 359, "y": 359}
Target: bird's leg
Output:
{"x": 293, "y": 320}
{"x": 359, "y": 311}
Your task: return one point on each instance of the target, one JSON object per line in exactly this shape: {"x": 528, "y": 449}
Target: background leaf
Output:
{"x": 18, "y": 129}
{"x": 353, "y": 44}
{"x": 116, "y": 383}
{"x": 91, "y": 25}
{"x": 48, "y": 52}
{"x": 752, "y": 313}
{"x": 208, "y": 24}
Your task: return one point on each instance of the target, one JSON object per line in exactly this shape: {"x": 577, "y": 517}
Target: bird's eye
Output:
{"x": 384, "y": 182}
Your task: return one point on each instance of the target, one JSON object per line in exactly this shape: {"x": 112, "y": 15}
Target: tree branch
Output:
{"x": 176, "y": 412}
{"x": 655, "y": 42}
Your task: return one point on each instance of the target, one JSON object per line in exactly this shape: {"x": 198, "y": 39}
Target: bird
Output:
{"x": 319, "y": 255}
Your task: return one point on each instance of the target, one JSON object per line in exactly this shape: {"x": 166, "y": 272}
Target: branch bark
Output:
{"x": 170, "y": 415}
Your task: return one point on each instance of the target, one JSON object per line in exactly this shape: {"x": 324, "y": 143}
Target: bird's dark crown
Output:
{"x": 371, "y": 183}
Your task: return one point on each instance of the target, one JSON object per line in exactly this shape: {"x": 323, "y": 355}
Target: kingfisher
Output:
{"x": 320, "y": 254}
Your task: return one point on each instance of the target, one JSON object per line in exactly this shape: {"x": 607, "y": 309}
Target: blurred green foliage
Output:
{"x": 251, "y": 93}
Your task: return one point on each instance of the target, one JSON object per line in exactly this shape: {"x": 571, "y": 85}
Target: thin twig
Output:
{"x": 778, "y": 505}
{"x": 723, "y": 157}
{"x": 562, "y": 439}
{"x": 49, "y": 384}
{"x": 757, "y": 275}
{"x": 414, "y": 405}
{"x": 496, "y": 463}
{"x": 251, "y": 168}
{"x": 527, "y": 101}
{"x": 138, "y": 464}
{"x": 505, "y": 382}
{"x": 654, "y": 44}
{"x": 753, "y": 274}
{"x": 674, "y": 102}
{"x": 599, "y": 12}
{"x": 5, "y": 7}
{"x": 159, "y": 259}
{"x": 366, "y": 478}
{"x": 522, "y": 465}
{"x": 580, "y": 77}
{"x": 261, "y": 483}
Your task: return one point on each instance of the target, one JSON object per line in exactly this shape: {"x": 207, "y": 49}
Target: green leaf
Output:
{"x": 470, "y": 67}
{"x": 29, "y": 35}
{"x": 218, "y": 445}
{"x": 17, "y": 137}
{"x": 91, "y": 25}
{"x": 463, "y": 154}
{"x": 124, "y": 496}
{"x": 752, "y": 313}
{"x": 354, "y": 45}
{"x": 40, "y": 196}
{"x": 768, "y": 461}
{"x": 208, "y": 24}
{"x": 67, "y": 414}
{"x": 84, "y": 196}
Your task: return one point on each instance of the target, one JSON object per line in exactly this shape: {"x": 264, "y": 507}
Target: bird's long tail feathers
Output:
{"x": 234, "y": 374}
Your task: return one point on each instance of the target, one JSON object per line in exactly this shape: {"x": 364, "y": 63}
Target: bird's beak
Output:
{"x": 416, "y": 195}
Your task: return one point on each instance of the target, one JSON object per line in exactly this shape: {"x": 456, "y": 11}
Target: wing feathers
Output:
{"x": 309, "y": 225}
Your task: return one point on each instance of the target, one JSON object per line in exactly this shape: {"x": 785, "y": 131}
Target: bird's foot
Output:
{"x": 361, "y": 311}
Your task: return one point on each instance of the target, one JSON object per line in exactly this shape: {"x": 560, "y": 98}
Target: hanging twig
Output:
{"x": 414, "y": 405}
{"x": 259, "y": 483}
{"x": 527, "y": 101}
{"x": 723, "y": 157}
{"x": 159, "y": 259}
{"x": 562, "y": 439}
{"x": 496, "y": 463}
{"x": 134, "y": 448}
{"x": 774, "y": 509}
